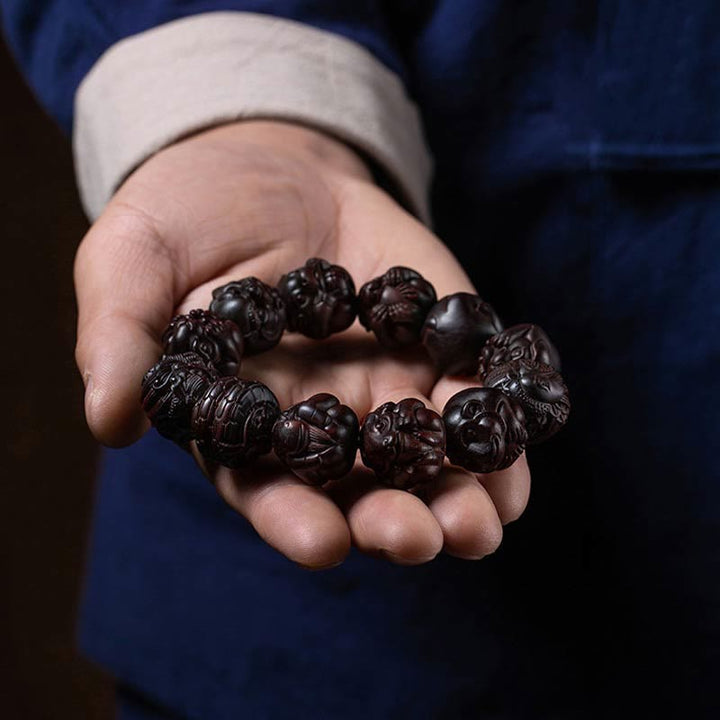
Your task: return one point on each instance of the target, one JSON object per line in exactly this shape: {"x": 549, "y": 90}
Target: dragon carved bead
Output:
{"x": 256, "y": 308}
{"x": 485, "y": 429}
{"x": 216, "y": 340}
{"x": 319, "y": 297}
{"x": 519, "y": 342}
{"x": 232, "y": 421}
{"x": 394, "y": 306}
{"x": 404, "y": 443}
{"x": 170, "y": 388}
{"x": 541, "y": 392}
{"x": 317, "y": 439}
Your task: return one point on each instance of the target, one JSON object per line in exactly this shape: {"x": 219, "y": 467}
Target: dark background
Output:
{"x": 49, "y": 457}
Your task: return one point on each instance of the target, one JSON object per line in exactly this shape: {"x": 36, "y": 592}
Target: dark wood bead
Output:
{"x": 455, "y": 330}
{"x": 216, "y": 340}
{"x": 317, "y": 439}
{"x": 394, "y": 306}
{"x": 485, "y": 429}
{"x": 519, "y": 342}
{"x": 170, "y": 388}
{"x": 256, "y": 308}
{"x": 232, "y": 422}
{"x": 319, "y": 297}
{"x": 541, "y": 391}
{"x": 404, "y": 443}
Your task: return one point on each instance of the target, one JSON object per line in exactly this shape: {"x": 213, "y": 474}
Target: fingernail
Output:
{"x": 468, "y": 557}
{"x": 317, "y": 568}
{"x": 401, "y": 560}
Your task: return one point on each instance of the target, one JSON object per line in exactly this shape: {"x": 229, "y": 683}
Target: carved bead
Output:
{"x": 256, "y": 308}
{"x": 540, "y": 390}
{"x": 317, "y": 439}
{"x": 232, "y": 422}
{"x": 519, "y": 342}
{"x": 485, "y": 429}
{"x": 216, "y": 340}
{"x": 170, "y": 388}
{"x": 319, "y": 298}
{"x": 455, "y": 330}
{"x": 404, "y": 443}
{"x": 394, "y": 306}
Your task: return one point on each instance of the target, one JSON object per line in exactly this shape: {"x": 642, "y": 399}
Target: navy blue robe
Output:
{"x": 577, "y": 150}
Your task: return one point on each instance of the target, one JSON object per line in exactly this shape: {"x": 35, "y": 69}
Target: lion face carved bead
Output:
{"x": 394, "y": 306}
{"x": 169, "y": 390}
{"x": 317, "y": 439}
{"x": 485, "y": 429}
{"x": 256, "y": 308}
{"x": 519, "y": 342}
{"x": 540, "y": 389}
{"x": 319, "y": 298}
{"x": 404, "y": 443}
{"x": 216, "y": 340}
{"x": 232, "y": 421}
{"x": 455, "y": 330}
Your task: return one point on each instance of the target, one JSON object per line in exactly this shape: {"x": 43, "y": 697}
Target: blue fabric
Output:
{"x": 132, "y": 705}
{"x": 602, "y": 600}
{"x": 578, "y": 180}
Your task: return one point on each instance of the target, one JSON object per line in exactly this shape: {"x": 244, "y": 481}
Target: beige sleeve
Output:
{"x": 151, "y": 89}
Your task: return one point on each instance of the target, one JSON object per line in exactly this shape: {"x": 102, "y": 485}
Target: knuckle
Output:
{"x": 122, "y": 231}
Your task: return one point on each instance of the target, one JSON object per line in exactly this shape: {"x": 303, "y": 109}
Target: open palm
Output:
{"x": 259, "y": 199}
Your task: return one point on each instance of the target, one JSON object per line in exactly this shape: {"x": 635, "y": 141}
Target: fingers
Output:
{"x": 299, "y": 521}
{"x": 508, "y": 489}
{"x": 467, "y": 515}
{"x": 459, "y": 515}
{"x": 389, "y": 523}
{"x": 124, "y": 279}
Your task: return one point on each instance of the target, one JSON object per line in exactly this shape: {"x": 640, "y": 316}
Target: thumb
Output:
{"x": 125, "y": 281}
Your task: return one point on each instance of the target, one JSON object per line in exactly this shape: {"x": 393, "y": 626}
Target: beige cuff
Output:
{"x": 163, "y": 84}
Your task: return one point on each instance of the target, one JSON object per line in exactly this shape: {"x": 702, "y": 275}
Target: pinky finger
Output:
{"x": 509, "y": 489}
{"x": 465, "y": 512}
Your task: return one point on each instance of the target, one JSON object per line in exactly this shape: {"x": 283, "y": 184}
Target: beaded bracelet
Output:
{"x": 193, "y": 394}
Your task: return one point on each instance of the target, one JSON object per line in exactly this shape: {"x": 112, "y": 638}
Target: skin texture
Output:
{"x": 259, "y": 198}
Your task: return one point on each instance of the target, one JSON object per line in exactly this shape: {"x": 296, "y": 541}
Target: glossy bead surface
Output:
{"x": 455, "y": 330}
{"x": 232, "y": 421}
{"x": 485, "y": 429}
{"x": 170, "y": 388}
{"x": 404, "y": 443}
{"x": 540, "y": 390}
{"x": 317, "y": 439}
{"x": 256, "y": 308}
{"x": 216, "y": 340}
{"x": 319, "y": 298}
{"x": 394, "y": 306}
{"x": 519, "y": 342}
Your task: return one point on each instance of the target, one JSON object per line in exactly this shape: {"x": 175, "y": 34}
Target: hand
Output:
{"x": 259, "y": 198}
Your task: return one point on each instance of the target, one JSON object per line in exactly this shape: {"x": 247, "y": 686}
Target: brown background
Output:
{"x": 49, "y": 456}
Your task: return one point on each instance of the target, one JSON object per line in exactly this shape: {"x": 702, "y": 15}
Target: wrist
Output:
{"x": 304, "y": 143}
